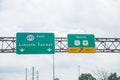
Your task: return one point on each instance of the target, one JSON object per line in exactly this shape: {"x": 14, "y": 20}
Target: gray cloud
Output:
{"x": 42, "y": 15}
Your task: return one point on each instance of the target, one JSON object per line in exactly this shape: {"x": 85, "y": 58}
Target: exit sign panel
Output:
{"x": 35, "y": 43}
{"x": 81, "y": 43}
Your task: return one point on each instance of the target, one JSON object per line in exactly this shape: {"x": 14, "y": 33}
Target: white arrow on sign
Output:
{"x": 22, "y": 50}
{"x": 49, "y": 49}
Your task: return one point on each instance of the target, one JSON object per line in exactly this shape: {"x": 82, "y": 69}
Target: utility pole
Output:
{"x": 37, "y": 75}
{"x": 25, "y": 73}
{"x": 33, "y": 73}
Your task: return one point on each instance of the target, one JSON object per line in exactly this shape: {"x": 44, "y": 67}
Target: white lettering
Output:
{"x": 78, "y": 37}
{"x": 23, "y": 44}
{"x": 40, "y": 36}
{"x": 44, "y": 44}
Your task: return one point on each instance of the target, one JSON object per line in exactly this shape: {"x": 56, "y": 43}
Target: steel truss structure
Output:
{"x": 103, "y": 45}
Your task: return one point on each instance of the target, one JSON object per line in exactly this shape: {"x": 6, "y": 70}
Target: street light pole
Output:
{"x": 25, "y": 73}
{"x": 53, "y": 68}
{"x": 78, "y": 71}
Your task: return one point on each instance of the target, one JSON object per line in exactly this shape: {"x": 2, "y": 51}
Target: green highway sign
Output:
{"x": 35, "y": 43}
{"x": 81, "y": 43}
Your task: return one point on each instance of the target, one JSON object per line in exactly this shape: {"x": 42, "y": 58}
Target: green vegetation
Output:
{"x": 113, "y": 76}
{"x": 88, "y": 76}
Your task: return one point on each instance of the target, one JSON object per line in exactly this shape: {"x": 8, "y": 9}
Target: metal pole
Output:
{"x": 33, "y": 73}
{"x": 78, "y": 71}
{"x": 25, "y": 73}
{"x": 53, "y": 68}
{"x": 37, "y": 75}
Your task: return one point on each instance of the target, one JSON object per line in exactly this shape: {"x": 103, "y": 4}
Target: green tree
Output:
{"x": 86, "y": 76}
{"x": 113, "y": 76}
{"x": 119, "y": 78}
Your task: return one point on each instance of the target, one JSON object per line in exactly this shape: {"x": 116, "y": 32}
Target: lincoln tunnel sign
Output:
{"x": 35, "y": 43}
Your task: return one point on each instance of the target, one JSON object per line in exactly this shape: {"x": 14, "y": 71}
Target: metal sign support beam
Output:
{"x": 103, "y": 45}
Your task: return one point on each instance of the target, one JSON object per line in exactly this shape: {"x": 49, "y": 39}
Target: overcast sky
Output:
{"x": 98, "y": 17}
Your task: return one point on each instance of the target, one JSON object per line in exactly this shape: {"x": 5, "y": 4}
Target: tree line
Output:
{"x": 100, "y": 76}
